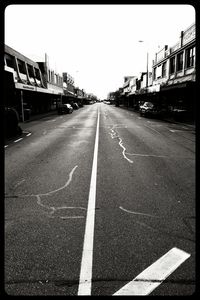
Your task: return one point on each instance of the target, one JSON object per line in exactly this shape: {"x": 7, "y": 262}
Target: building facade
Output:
{"x": 172, "y": 82}
{"x": 174, "y": 70}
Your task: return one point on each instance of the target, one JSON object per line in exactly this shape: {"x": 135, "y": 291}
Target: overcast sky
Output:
{"x": 97, "y": 44}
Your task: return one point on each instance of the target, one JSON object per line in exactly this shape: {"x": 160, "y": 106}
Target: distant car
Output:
{"x": 151, "y": 109}
{"x": 80, "y": 104}
{"x": 75, "y": 105}
{"x": 65, "y": 109}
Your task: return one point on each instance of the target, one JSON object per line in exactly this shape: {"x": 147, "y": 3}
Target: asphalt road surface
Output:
{"x": 100, "y": 202}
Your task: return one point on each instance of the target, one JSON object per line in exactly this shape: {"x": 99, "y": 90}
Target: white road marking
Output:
{"x": 16, "y": 141}
{"x": 173, "y": 130}
{"x": 154, "y": 275}
{"x": 5, "y": 146}
{"x": 28, "y": 134}
{"x": 85, "y": 280}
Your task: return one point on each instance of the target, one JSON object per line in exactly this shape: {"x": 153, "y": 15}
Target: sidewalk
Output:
{"x": 24, "y": 125}
{"x": 38, "y": 117}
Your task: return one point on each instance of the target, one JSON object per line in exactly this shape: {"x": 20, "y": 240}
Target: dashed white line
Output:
{"x": 16, "y": 141}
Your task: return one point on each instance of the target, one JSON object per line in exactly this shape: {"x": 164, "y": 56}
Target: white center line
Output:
{"x": 85, "y": 280}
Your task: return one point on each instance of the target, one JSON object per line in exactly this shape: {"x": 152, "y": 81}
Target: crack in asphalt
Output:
{"x": 76, "y": 282}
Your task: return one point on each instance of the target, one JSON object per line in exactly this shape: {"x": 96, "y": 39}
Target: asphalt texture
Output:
{"x": 145, "y": 201}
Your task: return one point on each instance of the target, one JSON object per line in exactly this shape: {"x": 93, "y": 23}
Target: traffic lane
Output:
{"x": 43, "y": 134}
{"x": 174, "y": 131}
{"x": 139, "y": 142}
{"x": 45, "y": 211}
{"x": 41, "y": 126}
{"x": 140, "y": 215}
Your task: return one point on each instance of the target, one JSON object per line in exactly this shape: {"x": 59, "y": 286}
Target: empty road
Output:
{"x": 100, "y": 202}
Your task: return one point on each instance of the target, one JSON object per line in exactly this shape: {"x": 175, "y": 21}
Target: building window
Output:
{"x": 159, "y": 71}
{"x": 190, "y": 56}
{"x": 21, "y": 66}
{"x": 49, "y": 75}
{"x": 164, "y": 69}
{"x": 10, "y": 61}
{"x": 172, "y": 65}
{"x": 180, "y": 61}
{"x": 154, "y": 74}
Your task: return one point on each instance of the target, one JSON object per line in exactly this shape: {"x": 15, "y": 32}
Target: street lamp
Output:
{"x": 147, "y": 65}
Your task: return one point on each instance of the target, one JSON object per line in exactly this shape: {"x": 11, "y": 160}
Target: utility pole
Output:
{"x": 147, "y": 69}
{"x": 140, "y": 41}
{"x": 22, "y": 106}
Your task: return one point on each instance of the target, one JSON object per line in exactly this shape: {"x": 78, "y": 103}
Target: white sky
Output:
{"x": 96, "y": 44}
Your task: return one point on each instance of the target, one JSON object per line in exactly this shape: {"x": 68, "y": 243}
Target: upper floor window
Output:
{"x": 21, "y": 66}
{"x": 159, "y": 72}
{"x": 154, "y": 74}
{"x": 9, "y": 61}
{"x": 172, "y": 65}
{"x": 49, "y": 75}
{"x": 164, "y": 69}
{"x": 190, "y": 56}
{"x": 180, "y": 61}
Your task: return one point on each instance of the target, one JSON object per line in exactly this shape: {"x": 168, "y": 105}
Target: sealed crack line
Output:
{"x": 137, "y": 213}
{"x": 114, "y": 134}
{"x": 60, "y": 209}
{"x": 100, "y": 280}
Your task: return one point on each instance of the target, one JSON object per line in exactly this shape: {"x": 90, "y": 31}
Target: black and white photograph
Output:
{"x": 99, "y": 135}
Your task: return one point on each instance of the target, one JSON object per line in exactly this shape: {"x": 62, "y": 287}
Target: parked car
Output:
{"x": 75, "y": 105}
{"x": 80, "y": 104}
{"x": 152, "y": 109}
{"x": 65, "y": 109}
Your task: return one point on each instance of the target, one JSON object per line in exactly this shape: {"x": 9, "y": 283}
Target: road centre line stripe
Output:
{"x": 85, "y": 280}
{"x": 154, "y": 275}
{"x": 18, "y": 140}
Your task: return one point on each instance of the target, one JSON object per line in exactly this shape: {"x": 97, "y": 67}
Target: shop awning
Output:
{"x": 174, "y": 86}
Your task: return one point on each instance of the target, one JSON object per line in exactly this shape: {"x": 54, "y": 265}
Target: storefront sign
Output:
{"x": 189, "y": 35}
